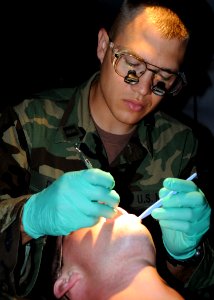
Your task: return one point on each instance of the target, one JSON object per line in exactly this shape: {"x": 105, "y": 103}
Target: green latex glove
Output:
{"x": 67, "y": 204}
{"x": 184, "y": 217}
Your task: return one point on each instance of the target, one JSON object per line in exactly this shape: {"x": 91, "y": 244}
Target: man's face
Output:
{"x": 127, "y": 103}
{"x": 94, "y": 258}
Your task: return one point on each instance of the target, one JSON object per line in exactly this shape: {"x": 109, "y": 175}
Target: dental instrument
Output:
{"x": 158, "y": 203}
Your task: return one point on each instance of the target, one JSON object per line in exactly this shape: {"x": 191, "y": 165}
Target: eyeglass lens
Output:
{"x": 127, "y": 64}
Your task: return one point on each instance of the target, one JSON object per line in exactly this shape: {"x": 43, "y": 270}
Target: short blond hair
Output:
{"x": 166, "y": 20}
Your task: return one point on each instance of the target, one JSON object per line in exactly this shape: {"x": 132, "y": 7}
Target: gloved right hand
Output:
{"x": 75, "y": 200}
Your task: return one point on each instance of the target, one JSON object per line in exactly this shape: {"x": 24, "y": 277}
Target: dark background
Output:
{"x": 47, "y": 46}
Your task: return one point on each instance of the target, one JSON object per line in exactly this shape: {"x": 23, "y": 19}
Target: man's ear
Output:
{"x": 103, "y": 43}
{"x": 65, "y": 283}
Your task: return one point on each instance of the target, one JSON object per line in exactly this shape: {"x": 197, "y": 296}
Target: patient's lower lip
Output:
{"x": 134, "y": 106}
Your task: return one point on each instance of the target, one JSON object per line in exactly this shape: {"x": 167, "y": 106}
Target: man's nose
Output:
{"x": 144, "y": 85}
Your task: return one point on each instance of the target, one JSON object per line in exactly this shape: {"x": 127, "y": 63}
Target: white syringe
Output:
{"x": 158, "y": 203}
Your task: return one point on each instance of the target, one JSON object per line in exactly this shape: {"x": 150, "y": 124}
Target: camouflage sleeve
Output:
{"x": 14, "y": 182}
{"x": 9, "y": 245}
{"x": 14, "y": 175}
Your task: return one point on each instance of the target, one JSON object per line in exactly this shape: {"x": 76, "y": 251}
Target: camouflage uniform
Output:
{"x": 38, "y": 139}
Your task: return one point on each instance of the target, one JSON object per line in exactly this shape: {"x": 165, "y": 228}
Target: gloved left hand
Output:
{"x": 184, "y": 217}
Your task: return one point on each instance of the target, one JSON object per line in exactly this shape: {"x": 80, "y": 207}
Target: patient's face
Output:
{"x": 97, "y": 256}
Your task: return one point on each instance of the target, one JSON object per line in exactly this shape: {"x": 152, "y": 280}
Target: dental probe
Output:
{"x": 85, "y": 159}
{"x": 158, "y": 203}
{"x": 88, "y": 165}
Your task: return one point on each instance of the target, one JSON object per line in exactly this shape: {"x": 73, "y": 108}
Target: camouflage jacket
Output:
{"x": 38, "y": 139}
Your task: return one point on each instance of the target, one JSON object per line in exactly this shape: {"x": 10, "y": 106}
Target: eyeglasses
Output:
{"x": 131, "y": 67}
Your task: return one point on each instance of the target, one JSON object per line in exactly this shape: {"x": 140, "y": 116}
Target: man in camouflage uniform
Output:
{"x": 113, "y": 119}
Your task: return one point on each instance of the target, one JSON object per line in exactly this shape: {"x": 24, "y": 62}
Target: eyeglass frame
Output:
{"x": 118, "y": 53}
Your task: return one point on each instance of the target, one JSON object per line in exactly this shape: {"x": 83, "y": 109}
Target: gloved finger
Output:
{"x": 163, "y": 192}
{"x": 190, "y": 199}
{"x": 175, "y": 225}
{"x": 190, "y": 229}
{"x": 97, "y": 209}
{"x": 179, "y": 185}
{"x": 100, "y": 194}
{"x": 104, "y": 210}
{"x": 183, "y": 219}
{"x": 181, "y": 214}
{"x": 108, "y": 197}
{"x": 99, "y": 178}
